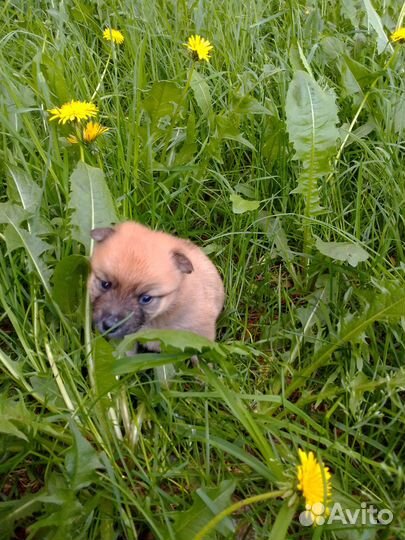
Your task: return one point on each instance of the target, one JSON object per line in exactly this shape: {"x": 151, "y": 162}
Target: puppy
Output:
{"x": 143, "y": 279}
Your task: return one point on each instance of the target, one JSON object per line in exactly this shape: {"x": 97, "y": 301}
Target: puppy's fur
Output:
{"x": 147, "y": 279}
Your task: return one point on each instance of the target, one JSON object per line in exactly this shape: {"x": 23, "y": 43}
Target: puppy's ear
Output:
{"x": 182, "y": 262}
{"x": 101, "y": 234}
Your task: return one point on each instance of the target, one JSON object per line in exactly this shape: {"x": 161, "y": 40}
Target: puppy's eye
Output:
{"x": 145, "y": 299}
{"x": 105, "y": 285}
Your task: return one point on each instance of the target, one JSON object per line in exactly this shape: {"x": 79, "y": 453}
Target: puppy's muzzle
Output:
{"x": 110, "y": 322}
{"x": 116, "y": 325}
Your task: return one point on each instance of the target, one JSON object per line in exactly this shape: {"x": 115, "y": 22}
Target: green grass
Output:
{"x": 311, "y": 348}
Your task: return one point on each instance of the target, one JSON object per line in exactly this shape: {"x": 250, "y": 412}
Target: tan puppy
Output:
{"x": 148, "y": 279}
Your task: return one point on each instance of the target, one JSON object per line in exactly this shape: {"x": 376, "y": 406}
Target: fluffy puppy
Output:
{"x": 143, "y": 279}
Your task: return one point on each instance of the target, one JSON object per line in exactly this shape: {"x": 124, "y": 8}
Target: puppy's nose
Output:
{"x": 110, "y": 322}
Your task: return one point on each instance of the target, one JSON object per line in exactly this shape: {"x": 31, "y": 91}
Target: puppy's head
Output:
{"x": 136, "y": 275}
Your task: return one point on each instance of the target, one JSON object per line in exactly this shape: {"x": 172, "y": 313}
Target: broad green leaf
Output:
{"x": 8, "y": 428}
{"x": 228, "y": 127}
{"x": 206, "y": 503}
{"x": 12, "y": 511}
{"x": 23, "y": 190}
{"x": 240, "y": 205}
{"x": 180, "y": 340}
{"x": 91, "y": 202}
{"x": 69, "y": 279}
{"x": 375, "y": 21}
{"x": 343, "y": 251}
{"x": 15, "y": 98}
{"x": 247, "y": 105}
{"x": 311, "y": 122}
{"x": 12, "y": 412}
{"x": 55, "y": 75}
{"x": 162, "y": 100}
{"x": 12, "y": 213}
{"x": 104, "y": 362}
{"x": 201, "y": 93}
{"x": 189, "y": 148}
{"x": 140, "y": 362}
{"x": 362, "y": 75}
{"x": 34, "y": 247}
{"x": 81, "y": 461}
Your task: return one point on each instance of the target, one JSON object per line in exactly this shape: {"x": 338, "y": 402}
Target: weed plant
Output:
{"x": 282, "y": 156}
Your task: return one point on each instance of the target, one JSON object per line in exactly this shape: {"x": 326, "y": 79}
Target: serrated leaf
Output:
{"x": 34, "y": 247}
{"x": 9, "y": 428}
{"x": 240, "y": 205}
{"x": 206, "y": 503}
{"x": 162, "y": 100}
{"x": 228, "y": 127}
{"x": 140, "y": 362}
{"x": 358, "y": 386}
{"x": 343, "y": 251}
{"x": 311, "y": 122}
{"x": 178, "y": 340}
{"x": 362, "y": 75}
{"x": 69, "y": 278}
{"x": 81, "y": 461}
{"x": 375, "y": 21}
{"x": 247, "y": 105}
{"x": 12, "y": 213}
{"x": 11, "y": 412}
{"x": 23, "y": 189}
{"x": 201, "y": 93}
{"x": 91, "y": 202}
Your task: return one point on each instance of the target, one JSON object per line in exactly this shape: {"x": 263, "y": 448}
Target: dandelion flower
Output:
{"x": 73, "y": 111}
{"x": 91, "y": 132}
{"x": 398, "y": 36}
{"x": 314, "y": 482}
{"x": 200, "y": 48}
{"x": 113, "y": 35}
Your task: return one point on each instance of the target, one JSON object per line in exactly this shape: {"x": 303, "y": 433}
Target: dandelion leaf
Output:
{"x": 69, "y": 280}
{"x": 201, "y": 93}
{"x": 81, "y": 461}
{"x": 207, "y": 503}
{"x": 375, "y": 22}
{"x": 241, "y": 205}
{"x": 311, "y": 124}
{"x": 90, "y": 201}
{"x": 343, "y": 251}
{"x": 16, "y": 237}
{"x": 162, "y": 100}
{"x": 22, "y": 189}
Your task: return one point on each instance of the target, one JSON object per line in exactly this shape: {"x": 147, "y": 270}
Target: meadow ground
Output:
{"x": 283, "y": 158}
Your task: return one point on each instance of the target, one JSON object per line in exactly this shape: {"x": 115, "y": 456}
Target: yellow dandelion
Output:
{"x": 113, "y": 35}
{"x": 91, "y": 132}
{"x": 73, "y": 111}
{"x": 200, "y": 48}
{"x": 314, "y": 480}
{"x": 398, "y": 36}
